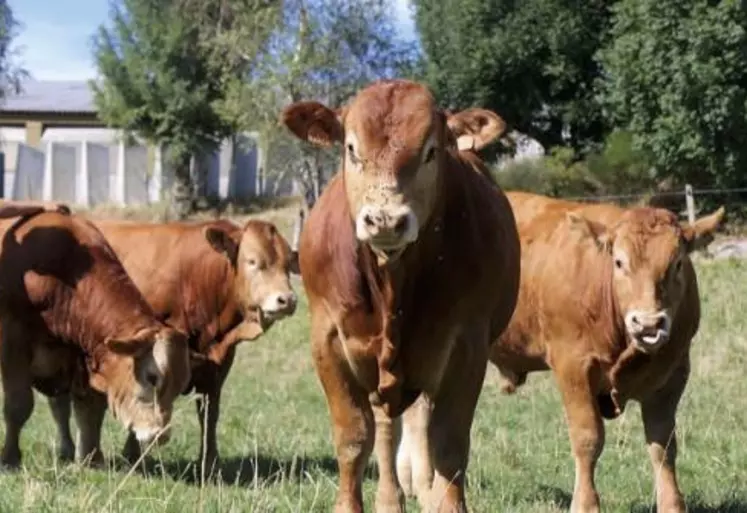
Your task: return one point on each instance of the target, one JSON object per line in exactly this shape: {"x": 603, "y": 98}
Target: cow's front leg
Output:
{"x": 89, "y": 410}
{"x": 414, "y": 468}
{"x": 389, "y": 495}
{"x": 585, "y": 428}
{"x": 61, "y": 408}
{"x": 352, "y": 420}
{"x": 658, "y": 412}
{"x": 451, "y": 421}
{"x": 208, "y": 413}
{"x": 18, "y": 400}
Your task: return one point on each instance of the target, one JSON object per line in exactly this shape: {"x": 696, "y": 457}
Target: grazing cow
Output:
{"x": 410, "y": 261}
{"x": 218, "y": 282}
{"x": 74, "y": 323}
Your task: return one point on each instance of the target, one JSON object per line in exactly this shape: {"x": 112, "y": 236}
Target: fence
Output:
{"x": 688, "y": 193}
{"x": 89, "y": 172}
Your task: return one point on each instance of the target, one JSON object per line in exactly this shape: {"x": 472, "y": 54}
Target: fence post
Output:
{"x": 690, "y": 201}
{"x": 84, "y": 176}
{"x": 2, "y": 174}
{"x": 120, "y": 194}
{"x": 48, "y": 181}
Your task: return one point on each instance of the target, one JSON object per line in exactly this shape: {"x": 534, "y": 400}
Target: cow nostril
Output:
{"x": 661, "y": 324}
{"x": 368, "y": 221}
{"x": 401, "y": 225}
{"x": 282, "y": 300}
{"x": 634, "y": 320}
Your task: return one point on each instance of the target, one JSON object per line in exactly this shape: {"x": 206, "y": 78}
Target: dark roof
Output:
{"x": 61, "y": 96}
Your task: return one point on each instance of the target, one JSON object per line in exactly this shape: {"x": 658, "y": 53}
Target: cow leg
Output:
{"x": 208, "y": 412}
{"x": 89, "y": 413}
{"x": 414, "y": 468}
{"x": 389, "y": 496}
{"x": 586, "y": 431}
{"x": 658, "y": 414}
{"x": 352, "y": 420}
{"x": 18, "y": 403}
{"x": 61, "y": 411}
{"x": 451, "y": 422}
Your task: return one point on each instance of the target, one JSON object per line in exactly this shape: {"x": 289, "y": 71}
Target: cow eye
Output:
{"x": 152, "y": 379}
{"x": 252, "y": 262}
{"x": 678, "y": 266}
{"x": 351, "y": 153}
{"x": 430, "y": 155}
{"x": 618, "y": 263}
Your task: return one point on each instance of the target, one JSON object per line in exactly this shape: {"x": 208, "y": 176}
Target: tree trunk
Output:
{"x": 182, "y": 200}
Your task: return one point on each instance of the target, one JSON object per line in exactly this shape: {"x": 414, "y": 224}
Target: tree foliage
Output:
{"x": 323, "y": 50}
{"x": 169, "y": 67}
{"x": 11, "y": 72}
{"x": 676, "y": 78}
{"x": 531, "y": 61}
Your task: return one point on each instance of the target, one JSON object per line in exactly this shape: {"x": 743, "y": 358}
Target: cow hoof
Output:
{"x": 11, "y": 461}
{"x": 390, "y": 503}
{"x": 94, "y": 459}
{"x": 66, "y": 454}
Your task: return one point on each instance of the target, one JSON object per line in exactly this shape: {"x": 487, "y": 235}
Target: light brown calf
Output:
{"x": 403, "y": 228}
{"x": 612, "y": 313}
{"x": 218, "y": 282}
{"x": 74, "y": 323}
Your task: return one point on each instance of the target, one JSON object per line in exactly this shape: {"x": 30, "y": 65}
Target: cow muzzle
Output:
{"x": 648, "y": 330}
{"x": 388, "y": 230}
{"x": 146, "y": 435}
{"x": 279, "y": 305}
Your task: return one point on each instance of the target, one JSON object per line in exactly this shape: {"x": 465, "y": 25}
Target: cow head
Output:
{"x": 394, "y": 141}
{"x": 648, "y": 251}
{"x": 263, "y": 261}
{"x": 141, "y": 377}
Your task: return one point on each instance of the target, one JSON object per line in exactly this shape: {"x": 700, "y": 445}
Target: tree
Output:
{"x": 323, "y": 50}
{"x": 676, "y": 78}
{"x": 11, "y": 73}
{"x": 169, "y": 67}
{"x": 530, "y": 61}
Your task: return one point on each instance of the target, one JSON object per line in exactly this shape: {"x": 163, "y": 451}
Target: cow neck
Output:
{"x": 104, "y": 305}
{"x": 390, "y": 298}
{"x": 205, "y": 308}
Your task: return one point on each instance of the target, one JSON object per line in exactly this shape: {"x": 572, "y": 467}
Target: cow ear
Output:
{"x": 222, "y": 242}
{"x": 474, "y": 129}
{"x": 313, "y": 122}
{"x": 294, "y": 266}
{"x": 591, "y": 229}
{"x": 699, "y": 234}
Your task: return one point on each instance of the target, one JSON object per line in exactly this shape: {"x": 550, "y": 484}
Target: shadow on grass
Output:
{"x": 698, "y": 505}
{"x": 242, "y": 471}
{"x": 554, "y": 495}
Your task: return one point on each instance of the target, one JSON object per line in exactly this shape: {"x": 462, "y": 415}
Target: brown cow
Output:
{"x": 74, "y": 323}
{"x": 218, "y": 282}
{"x": 613, "y": 316}
{"x": 626, "y": 337}
{"x": 404, "y": 228}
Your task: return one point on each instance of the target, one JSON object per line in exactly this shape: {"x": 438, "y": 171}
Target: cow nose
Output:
{"x": 281, "y": 302}
{"x": 388, "y": 228}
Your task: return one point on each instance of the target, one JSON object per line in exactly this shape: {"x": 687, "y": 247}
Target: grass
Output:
{"x": 274, "y": 438}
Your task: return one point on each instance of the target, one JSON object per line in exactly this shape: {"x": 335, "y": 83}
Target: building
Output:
{"x": 56, "y": 148}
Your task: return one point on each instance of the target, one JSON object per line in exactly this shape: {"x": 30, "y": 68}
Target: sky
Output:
{"x": 55, "y": 36}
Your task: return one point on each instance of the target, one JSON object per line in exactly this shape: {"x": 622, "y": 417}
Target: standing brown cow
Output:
{"x": 218, "y": 282}
{"x": 612, "y": 313}
{"x": 74, "y": 323}
{"x": 403, "y": 229}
